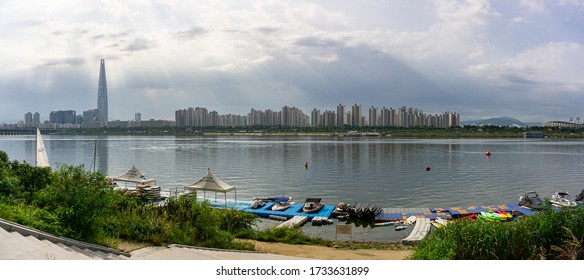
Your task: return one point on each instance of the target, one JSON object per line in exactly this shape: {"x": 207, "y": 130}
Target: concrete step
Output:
{"x": 54, "y": 252}
{"x": 15, "y": 246}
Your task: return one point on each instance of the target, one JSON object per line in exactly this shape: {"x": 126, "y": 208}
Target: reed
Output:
{"x": 550, "y": 234}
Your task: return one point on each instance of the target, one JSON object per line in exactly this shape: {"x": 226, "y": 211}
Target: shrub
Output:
{"x": 81, "y": 200}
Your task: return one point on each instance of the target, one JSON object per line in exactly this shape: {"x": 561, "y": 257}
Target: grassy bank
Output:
{"x": 547, "y": 235}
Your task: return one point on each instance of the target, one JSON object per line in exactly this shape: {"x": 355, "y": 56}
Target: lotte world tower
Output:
{"x": 102, "y": 95}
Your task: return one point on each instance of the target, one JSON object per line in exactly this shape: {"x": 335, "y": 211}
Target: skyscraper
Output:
{"x": 102, "y": 95}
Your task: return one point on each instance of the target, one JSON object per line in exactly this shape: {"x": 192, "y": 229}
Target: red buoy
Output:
{"x": 488, "y": 153}
{"x": 427, "y": 168}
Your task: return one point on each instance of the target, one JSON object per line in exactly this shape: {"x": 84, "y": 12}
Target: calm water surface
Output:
{"x": 390, "y": 172}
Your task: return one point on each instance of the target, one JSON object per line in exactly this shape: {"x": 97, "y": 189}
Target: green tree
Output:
{"x": 81, "y": 200}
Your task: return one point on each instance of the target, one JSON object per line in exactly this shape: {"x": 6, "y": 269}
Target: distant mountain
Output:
{"x": 502, "y": 121}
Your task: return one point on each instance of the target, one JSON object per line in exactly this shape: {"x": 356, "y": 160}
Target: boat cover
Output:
{"x": 281, "y": 199}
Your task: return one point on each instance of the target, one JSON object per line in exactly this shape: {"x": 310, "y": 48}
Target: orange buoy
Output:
{"x": 488, "y": 153}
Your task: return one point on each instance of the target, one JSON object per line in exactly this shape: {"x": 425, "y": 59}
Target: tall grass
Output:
{"x": 547, "y": 235}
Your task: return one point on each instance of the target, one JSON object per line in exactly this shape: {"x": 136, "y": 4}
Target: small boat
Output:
{"x": 580, "y": 196}
{"x": 441, "y": 222}
{"x": 562, "y": 199}
{"x": 400, "y": 227}
{"x": 531, "y": 200}
{"x": 312, "y": 205}
{"x": 505, "y": 216}
{"x": 490, "y": 216}
{"x": 375, "y": 210}
{"x": 436, "y": 224}
{"x": 410, "y": 221}
{"x": 382, "y": 224}
{"x": 258, "y": 203}
{"x": 282, "y": 203}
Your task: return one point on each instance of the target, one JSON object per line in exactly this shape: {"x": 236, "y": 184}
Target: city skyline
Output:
{"x": 482, "y": 59}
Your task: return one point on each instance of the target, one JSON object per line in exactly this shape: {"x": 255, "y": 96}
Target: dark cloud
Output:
{"x": 67, "y": 61}
{"x": 267, "y": 29}
{"x": 140, "y": 44}
{"x": 312, "y": 41}
{"x": 190, "y": 33}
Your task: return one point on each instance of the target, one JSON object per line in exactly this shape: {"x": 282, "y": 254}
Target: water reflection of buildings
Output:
{"x": 102, "y": 156}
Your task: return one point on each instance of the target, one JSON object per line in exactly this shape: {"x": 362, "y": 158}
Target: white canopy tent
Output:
{"x": 211, "y": 183}
{"x": 134, "y": 176}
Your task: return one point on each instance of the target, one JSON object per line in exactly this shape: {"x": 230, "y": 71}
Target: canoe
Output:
{"x": 383, "y": 224}
{"x": 398, "y": 228}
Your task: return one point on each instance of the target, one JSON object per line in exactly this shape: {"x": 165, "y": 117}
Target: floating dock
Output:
{"x": 421, "y": 229}
{"x": 397, "y": 214}
{"x": 295, "y": 221}
{"x": 292, "y": 211}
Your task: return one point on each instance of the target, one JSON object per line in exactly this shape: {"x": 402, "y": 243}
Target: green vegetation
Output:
{"x": 547, "y": 235}
{"x": 74, "y": 203}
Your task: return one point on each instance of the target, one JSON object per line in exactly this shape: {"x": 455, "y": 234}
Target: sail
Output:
{"x": 42, "y": 160}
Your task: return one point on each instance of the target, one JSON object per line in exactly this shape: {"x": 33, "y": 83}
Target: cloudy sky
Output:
{"x": 482, "y": 58}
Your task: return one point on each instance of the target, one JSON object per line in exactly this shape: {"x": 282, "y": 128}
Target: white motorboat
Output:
{"x": 562, "y": 199}
{"x": 282, "y": 203}
{"x": 258, "y": 203}
{"x": 312, "y": 205}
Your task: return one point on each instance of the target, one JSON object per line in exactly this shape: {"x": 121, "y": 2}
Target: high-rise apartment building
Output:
{"x": 102, "y": 95}
{"x": 28, "y": 119}
{"x": 341, "y": 111}
{"x": 357, "y": 116}
{"x": 36, "y": 119}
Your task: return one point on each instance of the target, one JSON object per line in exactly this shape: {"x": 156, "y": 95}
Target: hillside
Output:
{"x": 501, "y": 121}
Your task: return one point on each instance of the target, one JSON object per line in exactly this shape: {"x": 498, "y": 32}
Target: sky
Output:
{"x": 481, "y": 59}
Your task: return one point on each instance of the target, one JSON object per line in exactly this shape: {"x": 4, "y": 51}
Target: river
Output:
{"x": 387, "y": 171}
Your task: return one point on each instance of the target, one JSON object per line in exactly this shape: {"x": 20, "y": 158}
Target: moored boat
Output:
{"x": 580, "y": 196}
{"x": 531, "y": 200}
{"x": 312, "y": 205}
{"x": 258, "y": 203}
{"x": 562, "y": 199}
{"x": 282, "y": 203}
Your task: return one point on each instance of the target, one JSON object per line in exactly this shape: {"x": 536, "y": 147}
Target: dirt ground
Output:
{"x": 330, "y": 253}
{"x": 311, "y": 251}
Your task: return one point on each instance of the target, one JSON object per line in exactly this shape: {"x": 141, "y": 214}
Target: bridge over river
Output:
{"x": 24, "y": 131}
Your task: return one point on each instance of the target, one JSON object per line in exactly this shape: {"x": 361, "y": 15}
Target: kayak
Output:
{"x": 383, "y": 224}
{"x": 490, "y": 216}
{"x": 398, "y": 228}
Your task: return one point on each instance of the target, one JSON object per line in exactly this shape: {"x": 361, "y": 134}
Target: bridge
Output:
{"x": 24, "y": 131}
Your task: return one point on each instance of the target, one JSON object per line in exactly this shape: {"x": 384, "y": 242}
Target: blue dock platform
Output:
{"x": 396, "y": 214}
{"x": 294, "y": 210}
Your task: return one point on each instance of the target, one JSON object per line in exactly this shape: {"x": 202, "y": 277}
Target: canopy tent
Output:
{"x": 134, "y": 176}
{"x": 211, "y": 183}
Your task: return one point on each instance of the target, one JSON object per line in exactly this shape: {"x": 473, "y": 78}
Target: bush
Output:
{"x": 82, "y": 201}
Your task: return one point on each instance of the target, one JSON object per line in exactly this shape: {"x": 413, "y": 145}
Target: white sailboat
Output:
{"x": 42, "y": 159}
